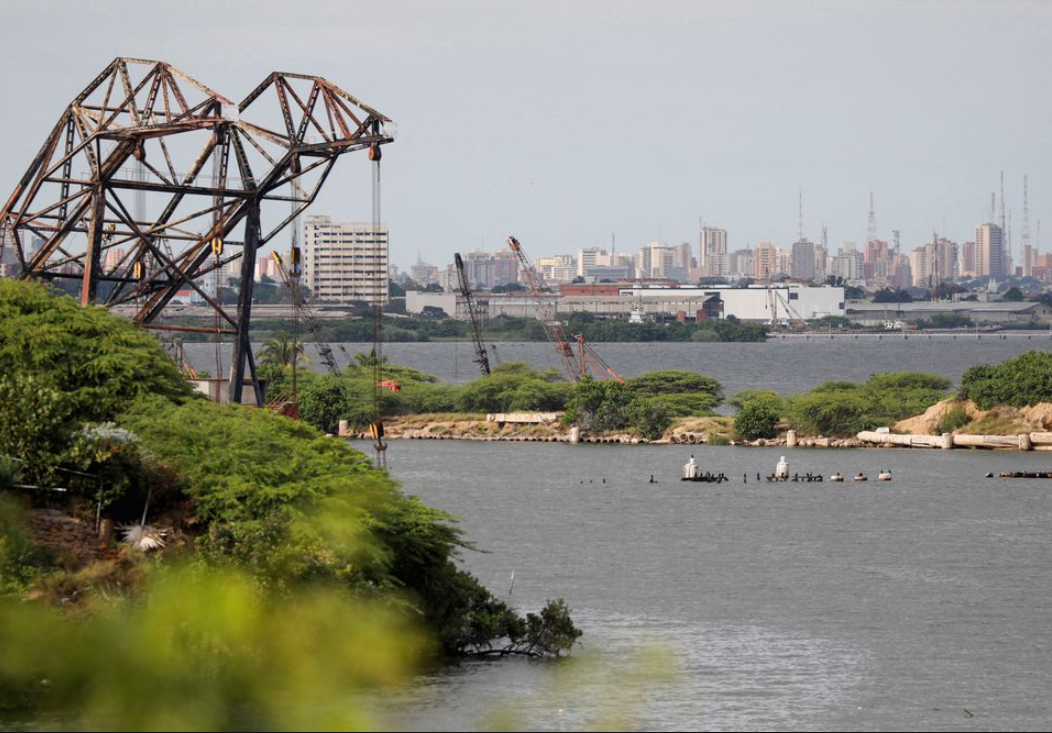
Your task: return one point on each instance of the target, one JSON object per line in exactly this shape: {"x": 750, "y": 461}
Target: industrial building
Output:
{"x": 611, "y": 300}
{"x": 878, "y": 315}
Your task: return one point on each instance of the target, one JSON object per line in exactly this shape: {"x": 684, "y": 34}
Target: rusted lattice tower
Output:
{"x": 152, "y": 183}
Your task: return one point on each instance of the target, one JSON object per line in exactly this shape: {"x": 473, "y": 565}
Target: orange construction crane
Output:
{"x": 585, "y": 360}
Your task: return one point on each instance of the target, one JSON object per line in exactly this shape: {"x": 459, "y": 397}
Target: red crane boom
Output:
{"x": 586, "y": 360}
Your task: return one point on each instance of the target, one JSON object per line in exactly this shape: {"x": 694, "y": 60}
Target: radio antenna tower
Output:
{"x": 1028, "y": 250}
{"x": 871, "y": 230}
{"x": 800, "y": 226}
{"x": 1002, "y": 201}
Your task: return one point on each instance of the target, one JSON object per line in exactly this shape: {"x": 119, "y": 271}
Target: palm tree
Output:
{"x": 283, "y": 351}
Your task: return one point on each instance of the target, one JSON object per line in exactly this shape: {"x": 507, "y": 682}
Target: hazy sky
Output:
{"x": 564, "y": 122}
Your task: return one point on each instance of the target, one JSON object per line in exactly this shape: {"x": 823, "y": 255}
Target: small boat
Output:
{"x": 837, "y": 477}
{"x": 884, "y": 476}
{"x": 861, "y": 477}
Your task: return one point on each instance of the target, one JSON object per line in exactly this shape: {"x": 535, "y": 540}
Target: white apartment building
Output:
{"x": 345, "y": 261}
{"x": 713, "y": 252}
{"x": 989, "y": 250}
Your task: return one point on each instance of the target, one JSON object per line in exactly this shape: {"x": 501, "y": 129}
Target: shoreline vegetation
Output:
{"x": 674, "y": 406}
{"x": 170, "y": 563}
{"x": 415, "y": 329}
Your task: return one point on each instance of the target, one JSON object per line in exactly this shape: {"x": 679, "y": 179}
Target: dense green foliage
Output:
{"x": 602, "y": 406}
{"x": 413, "y": 328}
{"x": 515, "y": 386}
{"x": 758, "y": 418}
{"x": 845, "y": 408}
{"x": 262, "y": 495}
{"x": 20, "y": 561}
{"x": 1019, "y": 382}
{"x": 681, "y": 393}
{"x": 748, "y": 395}
{"x": 946, "y": 320}
{"x": 97, "y": 362}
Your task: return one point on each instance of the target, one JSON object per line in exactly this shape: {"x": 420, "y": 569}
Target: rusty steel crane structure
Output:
{"x": 576, "y": 364}
{"x": 474, "y": 318}
{"x": 210, "y": 168}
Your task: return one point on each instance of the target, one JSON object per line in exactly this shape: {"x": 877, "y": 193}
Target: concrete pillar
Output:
{"x": 1025, "y": 442}
{"x": 344, "y": 428}
{"x": 946, "y": 443}
{"x": 790, "y": 439}
{"x": 575, "y": 435}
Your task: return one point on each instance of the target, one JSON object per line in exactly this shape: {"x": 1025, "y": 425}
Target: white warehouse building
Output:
{"x": 753, "y": 303}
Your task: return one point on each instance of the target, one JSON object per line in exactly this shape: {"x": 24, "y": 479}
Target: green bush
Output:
{"x": 757, "y": 419}
{"x": 682, "y": 393}
{"x": 1019, "y": 382}
{"x": 97, "y": 362}
{"x": 20, "y": 561}
{"x": 740, "y": 399}
{"x": 953, "y": 420}
{"x": 844, "y": 408}
{"x": 649, "y": 417}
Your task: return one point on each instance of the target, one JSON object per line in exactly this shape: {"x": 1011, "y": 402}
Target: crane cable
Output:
{"x": 377, "y": 428}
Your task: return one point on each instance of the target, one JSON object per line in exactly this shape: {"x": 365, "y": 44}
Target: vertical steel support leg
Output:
{"x": 243, "y": 346}
{"x": 93, "y": 255}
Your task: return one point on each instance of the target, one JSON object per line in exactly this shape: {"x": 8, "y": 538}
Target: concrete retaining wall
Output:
{"x": 1024, "y": 441}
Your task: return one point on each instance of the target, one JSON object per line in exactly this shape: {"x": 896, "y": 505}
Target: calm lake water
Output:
{"x": 919, "y": 604}
{"x": 786, "y": 366}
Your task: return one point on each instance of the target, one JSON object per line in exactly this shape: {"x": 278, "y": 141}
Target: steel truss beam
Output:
{"x": 151, "y": 181}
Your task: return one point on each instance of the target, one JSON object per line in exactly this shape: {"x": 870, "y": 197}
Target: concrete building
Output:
{"x": 713, "y": 252}
{"x": 558, "y": 269}
{"x": 802, "y": 261}
{"x": 878, "y": 314}
{"x": 486, "y": 270}
{"x": 989, "y": 250}
{"x": 621, "y": 301}
{"x": 753, "y": 303}
{"x": 741, "y": 263}
{"x": 847, "y": 264}
{"x": 765, "y": 261}
{"x": 968, "y": 266}
{"x": 345, "y": 261}
{"x": 423, "y": 273}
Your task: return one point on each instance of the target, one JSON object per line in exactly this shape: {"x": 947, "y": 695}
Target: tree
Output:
{"x": 283, "y": 351}
{"x": 757, "y": 419}
{"x": 892, "y": 295}
{"x": 1013, "y": 294}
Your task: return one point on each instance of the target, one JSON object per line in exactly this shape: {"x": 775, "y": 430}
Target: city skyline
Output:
{"x": 546, "y": 122}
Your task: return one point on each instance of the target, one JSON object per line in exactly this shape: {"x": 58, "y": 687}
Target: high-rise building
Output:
{"x": 558, "y": 269}
{"x": 969, "y": 261}
{"x": 345, "y": 262}
{"x": 847, "y": 264}
{"x": 821, "y": 262}
{"x": 423, "y": 273}
{"x": 741, "y": 263}
{"x": 765, "y": 261}
{"x": 802, "y": 262}
{"x": 989, "y": 250}
{"x": 713, "y": 251}
{"x": 490, "y": 269}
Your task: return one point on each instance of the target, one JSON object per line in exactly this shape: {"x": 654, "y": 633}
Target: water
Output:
{"x": 919, "y": 604}
{"x": 788, "y": 366}
{"x": 914, "y": 604}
